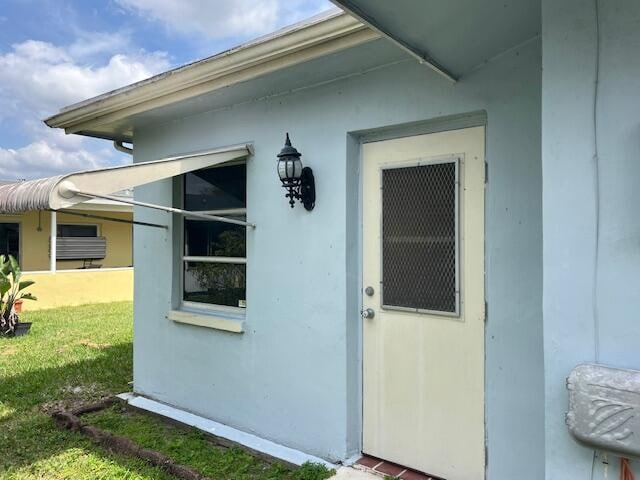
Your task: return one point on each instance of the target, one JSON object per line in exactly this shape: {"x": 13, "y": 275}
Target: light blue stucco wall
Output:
{"x": 293, "y": 376}
{"x": 591, "y": 300}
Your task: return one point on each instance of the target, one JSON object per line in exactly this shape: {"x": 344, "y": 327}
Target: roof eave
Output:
{"x": 328, "y": 34}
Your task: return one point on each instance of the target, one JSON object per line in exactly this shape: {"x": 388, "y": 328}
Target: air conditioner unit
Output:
{"x": 604, "y": 408}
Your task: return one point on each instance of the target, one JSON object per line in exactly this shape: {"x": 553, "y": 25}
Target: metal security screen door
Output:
{"x": 423, "y": 279}
{"x": 420, "y": 237}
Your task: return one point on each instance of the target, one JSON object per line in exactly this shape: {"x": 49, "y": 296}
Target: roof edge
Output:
{"x": 313, "y": 38}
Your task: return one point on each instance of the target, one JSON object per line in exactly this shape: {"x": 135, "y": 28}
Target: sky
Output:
{"x": 57, "y": 52}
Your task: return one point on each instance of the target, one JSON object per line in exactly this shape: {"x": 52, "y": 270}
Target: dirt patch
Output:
{"x": 74, "y": 397}
{"x": 8, "y": 351}
{"x": 94, "y": 345}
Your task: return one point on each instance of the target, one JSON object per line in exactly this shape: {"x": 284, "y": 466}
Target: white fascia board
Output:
{"x": 312, "y": 39}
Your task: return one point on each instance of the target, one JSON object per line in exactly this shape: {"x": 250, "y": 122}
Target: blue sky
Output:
{"x": 57, "y": 52}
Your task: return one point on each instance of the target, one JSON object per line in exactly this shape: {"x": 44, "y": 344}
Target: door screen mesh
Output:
{"x": 419, "y": 237}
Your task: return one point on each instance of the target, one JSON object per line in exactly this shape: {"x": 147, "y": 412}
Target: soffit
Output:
{"x": 459, "y": 35}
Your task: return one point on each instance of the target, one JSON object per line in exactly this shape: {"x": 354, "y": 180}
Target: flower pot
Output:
{"x": 22, "y": 328}
{"x": 17, "y": 306}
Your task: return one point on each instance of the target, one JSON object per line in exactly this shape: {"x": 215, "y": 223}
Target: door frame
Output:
{"x": 355, "y": 142}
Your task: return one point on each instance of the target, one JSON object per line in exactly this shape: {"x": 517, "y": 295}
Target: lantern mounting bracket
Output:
{"x": 304, "y": 190}
{"x": 308, "y": 189}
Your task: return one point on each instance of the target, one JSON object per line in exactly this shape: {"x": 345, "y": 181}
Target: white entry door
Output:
{"x": 423, "y": 279}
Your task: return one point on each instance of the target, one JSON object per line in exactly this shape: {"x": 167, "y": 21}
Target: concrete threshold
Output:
{"x": 350, "y": 473}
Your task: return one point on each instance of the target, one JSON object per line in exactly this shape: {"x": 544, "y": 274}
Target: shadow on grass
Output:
{"x": 33, "y": 446}
{"x": 107, "y": 373}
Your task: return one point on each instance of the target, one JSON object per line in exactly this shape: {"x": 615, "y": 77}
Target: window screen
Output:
{"x": 419, "y": 237}
{"x": 76, "y": 230}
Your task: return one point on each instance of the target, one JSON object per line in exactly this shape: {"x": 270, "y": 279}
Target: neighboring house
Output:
{"x": 87, "y": 237}
{"x": 476, "y": 204}
{"x": 97, "y": 234}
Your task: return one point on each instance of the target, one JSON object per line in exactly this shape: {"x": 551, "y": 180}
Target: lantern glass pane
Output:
{"x": 282, "y": 169}
{"x": 289, "y": 169}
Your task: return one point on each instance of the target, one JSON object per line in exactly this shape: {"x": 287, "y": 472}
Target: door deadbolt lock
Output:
{"x": 368, "y": 313}
{"x": 369, "y": 291}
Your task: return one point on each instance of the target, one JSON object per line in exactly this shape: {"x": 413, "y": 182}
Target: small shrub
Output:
{"x": 313, "y": 471}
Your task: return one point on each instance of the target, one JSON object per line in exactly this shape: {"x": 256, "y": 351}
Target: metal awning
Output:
{"x": 65, "y": 191}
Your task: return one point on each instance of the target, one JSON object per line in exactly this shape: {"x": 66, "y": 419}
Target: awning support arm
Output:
{"x": 179, "y": 211}
{"x": 111, "y": 219}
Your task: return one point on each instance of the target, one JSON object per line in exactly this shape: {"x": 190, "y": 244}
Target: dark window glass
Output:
{"x": 217, "y": 188}
{"x": 215, "y": 283}
{"x": 207, "y": 239}
{"x": 419, "y": 237}
{"x": 77, "y": 230}
{"x": 10, "y": 239}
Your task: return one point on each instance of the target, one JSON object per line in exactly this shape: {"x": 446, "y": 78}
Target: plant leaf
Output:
{"x": 5, "y": 267}
{"x": 14, "y": 263}
{"x": 5, "y": 286}
{"x": 25, "y": 284}
{"x": 15, "y": 269}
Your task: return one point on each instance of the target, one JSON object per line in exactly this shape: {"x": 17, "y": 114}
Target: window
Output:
{"x": 214, "y": 257}
{"x": 420, "y": 238}
{"x": 10, "y": 239}
{"x": 77, "y": 230}
{"x": 77, "y": 241}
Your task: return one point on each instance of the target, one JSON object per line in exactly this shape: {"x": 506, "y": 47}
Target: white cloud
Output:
{"x": 224, "y": 18}
{"x": 37, "y": 78}
{"x": 53, "y": 153}
{"x": 91, "y": 43}
{"x": 40, "y": 77}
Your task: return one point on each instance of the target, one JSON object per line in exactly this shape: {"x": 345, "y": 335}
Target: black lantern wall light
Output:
{"x": 298, "y": 181}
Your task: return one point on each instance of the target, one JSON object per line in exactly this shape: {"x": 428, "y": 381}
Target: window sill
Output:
{"x": 207, "y": 320}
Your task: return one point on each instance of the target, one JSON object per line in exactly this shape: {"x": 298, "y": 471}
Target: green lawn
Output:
{"x": 74, "y": 355}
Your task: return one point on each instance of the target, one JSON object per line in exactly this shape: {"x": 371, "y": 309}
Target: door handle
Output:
{"x": 368, "y": 313}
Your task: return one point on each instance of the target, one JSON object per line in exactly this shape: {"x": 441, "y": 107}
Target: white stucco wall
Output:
{"x": 293, "y": 375}
{"x": 591, "y": 221}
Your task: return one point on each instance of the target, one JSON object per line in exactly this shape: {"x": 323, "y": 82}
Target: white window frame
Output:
{"x": 211, "y": 308}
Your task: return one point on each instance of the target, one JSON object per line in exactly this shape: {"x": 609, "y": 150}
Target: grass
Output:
{"x": 74, "y": 355}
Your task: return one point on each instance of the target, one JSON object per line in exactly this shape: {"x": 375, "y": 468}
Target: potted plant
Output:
{"x": 11, "y": 295}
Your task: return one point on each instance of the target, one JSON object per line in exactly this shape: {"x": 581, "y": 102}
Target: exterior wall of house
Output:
{"x": 293, "y": 376}
{"x": 591, "y": 222}
{"x": 35, "y": 230}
